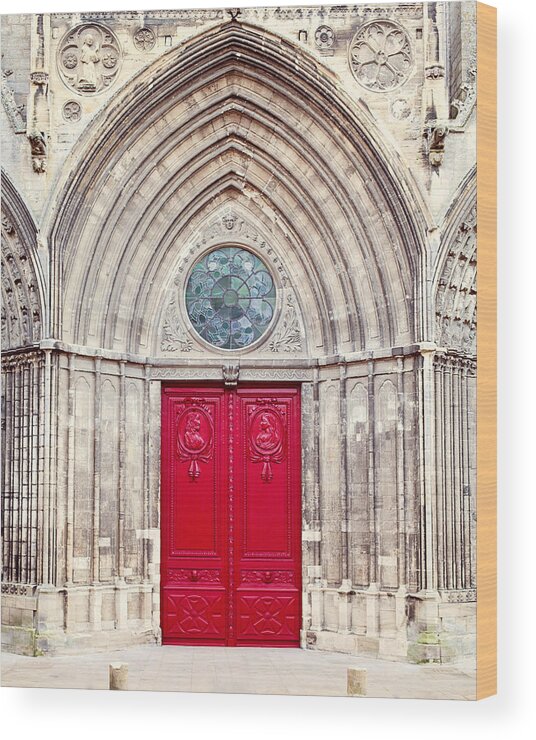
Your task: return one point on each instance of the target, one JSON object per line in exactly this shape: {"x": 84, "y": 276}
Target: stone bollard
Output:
{"x": 118, "y": 676}
{"x": 356, "y": 684}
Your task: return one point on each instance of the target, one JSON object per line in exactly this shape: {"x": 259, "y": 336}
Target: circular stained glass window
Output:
{"x": 230, "y": 298}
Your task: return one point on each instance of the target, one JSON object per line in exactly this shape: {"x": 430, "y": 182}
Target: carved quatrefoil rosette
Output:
{"x": 380, "y": 55}
{"x": 72, "y": 111}
{"x": 89, "y": 58}
{"x": 144, "y": 39}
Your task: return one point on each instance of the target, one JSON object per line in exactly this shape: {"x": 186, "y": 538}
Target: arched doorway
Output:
{"x": 240, "y": 141}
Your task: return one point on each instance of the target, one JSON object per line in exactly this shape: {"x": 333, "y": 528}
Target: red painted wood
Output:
{"x": 194, "y": 562}
{"x": 231, "y": 516}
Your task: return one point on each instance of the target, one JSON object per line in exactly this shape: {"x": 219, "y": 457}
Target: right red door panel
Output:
{"x": 267, "y": 551}
{"x": 231, "y": 516}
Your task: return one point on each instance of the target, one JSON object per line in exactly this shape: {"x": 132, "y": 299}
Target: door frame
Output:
{"x": 260, "y": 385}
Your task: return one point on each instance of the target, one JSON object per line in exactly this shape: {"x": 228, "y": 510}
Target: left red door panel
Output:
{"x": 194, "y": 566}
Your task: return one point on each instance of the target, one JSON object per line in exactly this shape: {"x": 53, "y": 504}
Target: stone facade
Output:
{"x": 134, "y": 142}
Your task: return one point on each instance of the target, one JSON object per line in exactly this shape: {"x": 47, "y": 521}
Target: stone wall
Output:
{"x": 194, "y": 129}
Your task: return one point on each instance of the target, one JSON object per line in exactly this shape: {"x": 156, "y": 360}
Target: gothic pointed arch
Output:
{"x": 22, "y": 278}
{"x": 237, "y": 116}
{"x": 455, "y": 288}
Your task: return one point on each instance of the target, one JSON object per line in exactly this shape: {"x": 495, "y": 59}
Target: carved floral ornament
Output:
{"x": 89, "y": 58}
{"x": 380, "y": 55}
{"x": 324, "y": 37}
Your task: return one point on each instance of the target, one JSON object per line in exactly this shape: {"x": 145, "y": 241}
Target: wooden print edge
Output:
{"x": 486, "y": 544}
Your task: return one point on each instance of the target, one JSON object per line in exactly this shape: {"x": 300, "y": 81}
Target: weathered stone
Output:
{"x": 118, "y": 676}
{"x": 282, "y": 146}
{"x": 356, "y": 682}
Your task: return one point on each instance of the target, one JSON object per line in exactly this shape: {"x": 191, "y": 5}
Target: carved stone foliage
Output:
{"x": 89, "y": 58}
{"x": 230, "y": 374}
{"x": 174, "y": 337}
{"x": 456, "y": 291}
{"x": 15, "y": 113}
{"x": 144, "y": 39}
{"x": 380, "y": 55}
{"x": 21, "y": 312}
{"x": 267, "y": 576}
{"x": 288, "y": 337}
{"x": 463, "y": 99}
{"x": 192, "y": 575}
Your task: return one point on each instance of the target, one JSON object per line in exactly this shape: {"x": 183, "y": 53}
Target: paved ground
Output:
{"x": 239, "y": 670}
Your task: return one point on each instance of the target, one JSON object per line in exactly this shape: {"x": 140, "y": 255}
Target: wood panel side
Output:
{"x": 487, "y": 351}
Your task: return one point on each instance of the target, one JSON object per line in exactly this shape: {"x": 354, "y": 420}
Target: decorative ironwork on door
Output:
{"x": 231, "y": 516}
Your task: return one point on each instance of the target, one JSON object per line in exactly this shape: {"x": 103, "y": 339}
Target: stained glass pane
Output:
{"x": 230, "y": 297}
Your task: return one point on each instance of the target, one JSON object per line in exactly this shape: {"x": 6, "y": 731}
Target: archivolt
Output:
{"x": 237, "y": 114}
{"x": 22, "y": 280}
{"x": 455, "y": 273}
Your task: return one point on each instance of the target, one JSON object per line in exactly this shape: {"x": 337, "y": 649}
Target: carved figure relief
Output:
{"x": 89, "y": 58}
{"x": 21, "y": 312}
{"x": 194, "y": 438}
{"x": 266, "y": 439}
{"x": 456, "y": 293}
{"x": 38, "y": 147}
{"x": 434, "y": 138}
{"x": 380, "y": 55}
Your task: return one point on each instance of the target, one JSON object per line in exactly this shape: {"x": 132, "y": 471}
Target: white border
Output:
{"x": 66, "y": 714}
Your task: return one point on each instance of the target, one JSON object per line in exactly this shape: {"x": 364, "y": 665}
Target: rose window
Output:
{"x": 380, "y": 55}
{"x": 230, "y": 298}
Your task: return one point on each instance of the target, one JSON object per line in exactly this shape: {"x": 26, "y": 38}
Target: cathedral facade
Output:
{"x": 239, "y": 329}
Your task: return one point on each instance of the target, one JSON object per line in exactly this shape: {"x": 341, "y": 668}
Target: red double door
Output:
{"x": 230, "y": 516}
